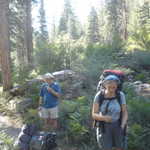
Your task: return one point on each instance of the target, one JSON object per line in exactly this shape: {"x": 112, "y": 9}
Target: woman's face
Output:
{"x": 110, "y": 86}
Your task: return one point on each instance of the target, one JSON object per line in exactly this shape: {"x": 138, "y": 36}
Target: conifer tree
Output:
{"x": 68, "y": 22}
{"x": 43, "y": 23}
{"x": 5, "y": 45}
{"x": 117, "y": 20}
{"x": 93, "y": 27}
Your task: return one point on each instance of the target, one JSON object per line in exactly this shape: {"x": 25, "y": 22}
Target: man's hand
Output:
{"x": 107, "y": 119}
{"x": 50, "y": 89}
{"x": 53, "y": 92}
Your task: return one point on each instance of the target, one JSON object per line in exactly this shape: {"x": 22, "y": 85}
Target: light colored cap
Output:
{"x": 48, "y": 76}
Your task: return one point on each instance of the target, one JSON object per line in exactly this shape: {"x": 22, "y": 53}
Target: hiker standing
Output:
{"x": 49, "y": 99}
{"x": 109, "y": 112}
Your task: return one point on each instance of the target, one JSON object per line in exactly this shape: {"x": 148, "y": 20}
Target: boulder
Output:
{"x": 19, "y": 106}
{"x": 17, "y": 90}
{"x": 64, "y": 74}
{"x": 71, "y": 83}
{"x": 142, "y": 89}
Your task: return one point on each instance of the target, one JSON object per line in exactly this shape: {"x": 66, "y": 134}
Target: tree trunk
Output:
{"x": 125, "y": 20}
{"x": 28, "y": 33}
{"x": 4, "y": 45}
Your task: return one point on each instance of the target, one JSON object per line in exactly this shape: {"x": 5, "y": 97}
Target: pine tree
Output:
{"x": 28, "y": 32}
{"x": 21, "y": 32}
{"x": 74, "y": 28}
{"x": 117, "y": 20}
{"x": 68, "y": 22}
{"x": 93, "y": 28}
{"x": 144, "y": 14}
{"x": 43, "y": 24}
{"x": 5, "y": 45}
{"x": 64, "y": 20}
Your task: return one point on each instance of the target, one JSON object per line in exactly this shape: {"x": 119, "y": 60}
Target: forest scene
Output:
{"x": 75, "y": 40}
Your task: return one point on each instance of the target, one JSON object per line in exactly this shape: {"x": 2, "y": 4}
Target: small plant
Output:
{"x": 74, "y": 119}
{"x": 6, "y": 142}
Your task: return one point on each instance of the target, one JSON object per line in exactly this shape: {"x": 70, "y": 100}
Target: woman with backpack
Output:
{"x": 109, "y": 109}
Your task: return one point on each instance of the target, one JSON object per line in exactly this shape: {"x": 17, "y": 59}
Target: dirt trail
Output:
{"x": 9, "y": 126}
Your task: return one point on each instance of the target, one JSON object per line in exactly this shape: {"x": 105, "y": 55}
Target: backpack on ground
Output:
{"x": 24, "y": 137}
{"x": 99, "y": 125}
{"x": 43, "y": 141}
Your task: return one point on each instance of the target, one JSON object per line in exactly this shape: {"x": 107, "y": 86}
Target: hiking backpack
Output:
{"x": 99, "y": 125}
{"x": 25, "y": 136}
{"x": 43, "y": 141}
{"x": 117, "y": 73}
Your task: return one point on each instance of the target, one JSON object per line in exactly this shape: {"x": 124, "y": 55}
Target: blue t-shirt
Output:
{"x": 49, "y": 100}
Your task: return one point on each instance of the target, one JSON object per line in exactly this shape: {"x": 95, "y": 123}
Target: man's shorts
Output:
{"x": 51, "y": 113}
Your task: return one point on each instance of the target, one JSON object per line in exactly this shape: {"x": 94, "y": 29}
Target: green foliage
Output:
{"x": 74, "y": 118}
{"x": 93, "y": 28}
{"x": 32, "y": 117}
{"x": 97, "y": 58}
{"x": 139, "y": 120}
{"x": 69, "y": 23}
{"x": 115, "y": 20}
{"x": 139, "y": 123}
{"x": 140, "y": 39}
{"x": 138, "y": 59}
{"x": 138, "y": 137}
{"x": 6, "y": 142}
{"x": 138, "y": 109}
{"x": 140, "y": 77}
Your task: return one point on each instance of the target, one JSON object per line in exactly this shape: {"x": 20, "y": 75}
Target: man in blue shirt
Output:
{"x": 49, "y": 99}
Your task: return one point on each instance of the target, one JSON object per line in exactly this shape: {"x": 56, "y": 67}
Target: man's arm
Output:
{"x": 57, "y": 94}
{"x": 40, "y": 101}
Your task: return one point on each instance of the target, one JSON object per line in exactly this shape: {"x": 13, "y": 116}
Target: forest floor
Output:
{"x": 11, "y": 127}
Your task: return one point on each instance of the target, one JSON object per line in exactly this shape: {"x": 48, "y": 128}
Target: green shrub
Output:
{"x": 137, "y": 59}
{"x": 139, "y": 123}
{"x": 97, "y": 58}
{"x": 74, "y": 119}
{"x": 6, "y": 142}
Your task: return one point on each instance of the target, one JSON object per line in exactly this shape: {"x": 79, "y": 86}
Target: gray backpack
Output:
{"x": 25, "y": 136}
{"x": 43, "y": 141}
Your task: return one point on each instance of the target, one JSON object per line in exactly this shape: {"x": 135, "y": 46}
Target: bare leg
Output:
{"x": 53, "y": 123}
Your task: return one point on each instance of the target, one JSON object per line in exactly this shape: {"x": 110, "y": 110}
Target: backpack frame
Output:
{"x": 105, "y": 73}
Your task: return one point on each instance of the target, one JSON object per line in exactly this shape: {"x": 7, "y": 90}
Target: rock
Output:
{"x": 20, "y": 105}
{"x": 71, "y": 83}
{"x": 143, "y": 89}
{"x": 17, "y": 90}
{"x": 137, "y": 83}
{"x": 64, "y": 74}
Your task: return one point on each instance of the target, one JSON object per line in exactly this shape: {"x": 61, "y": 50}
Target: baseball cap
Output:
{"x": 112, "y": 78}
{"x": 48, "y": 76}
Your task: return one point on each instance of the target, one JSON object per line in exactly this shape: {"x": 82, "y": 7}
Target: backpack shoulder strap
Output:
{"x": 120, "y": 103}
{"x": 118, "y": 96}
{"x": 101, "y": 98}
